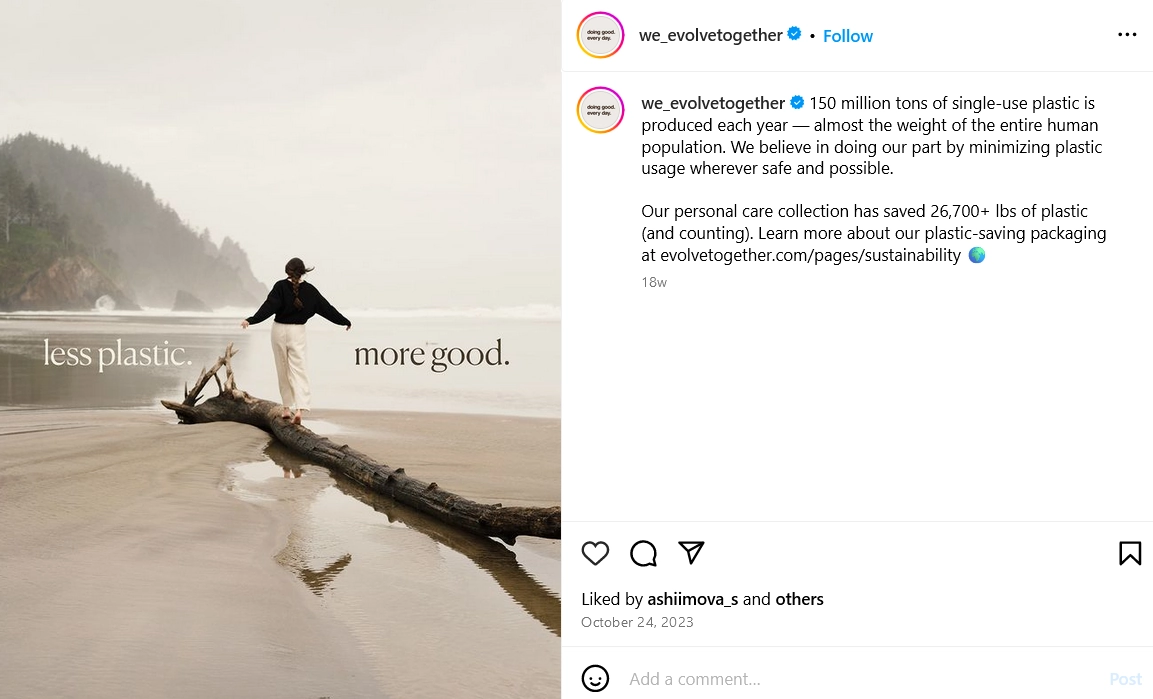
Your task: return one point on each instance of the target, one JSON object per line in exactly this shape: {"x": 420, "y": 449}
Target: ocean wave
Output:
{"x": 144, "y": 312}
{"x": 536, "y": 311}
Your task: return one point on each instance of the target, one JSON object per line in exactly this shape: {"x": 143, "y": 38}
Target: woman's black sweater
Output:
{"x": 280, "y": 301}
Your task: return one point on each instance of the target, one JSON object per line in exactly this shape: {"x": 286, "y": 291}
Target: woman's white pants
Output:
{"x": 290, "y": 350}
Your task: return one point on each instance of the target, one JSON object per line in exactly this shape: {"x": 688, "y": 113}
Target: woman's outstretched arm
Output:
{"x": 327, "y": 311}
{"x": 270, "y": 306}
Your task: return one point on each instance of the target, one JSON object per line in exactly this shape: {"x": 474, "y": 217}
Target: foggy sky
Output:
{"x": 407, "y": 150}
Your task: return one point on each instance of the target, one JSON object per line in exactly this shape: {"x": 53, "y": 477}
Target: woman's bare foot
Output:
{"x": 296, "y": 419}
{"x": 286, "y": 414}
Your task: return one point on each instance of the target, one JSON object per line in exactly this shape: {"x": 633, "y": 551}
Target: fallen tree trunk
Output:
{"x": 234, "y": 405}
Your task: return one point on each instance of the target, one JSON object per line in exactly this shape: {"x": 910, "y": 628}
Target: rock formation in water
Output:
{"x": 186, "y": 301}
{"x": 68, "y": 284}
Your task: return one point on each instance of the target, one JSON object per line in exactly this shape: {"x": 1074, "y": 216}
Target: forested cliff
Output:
{"x": 74, "y": 228}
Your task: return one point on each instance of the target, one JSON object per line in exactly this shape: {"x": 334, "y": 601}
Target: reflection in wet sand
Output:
{"x": 490, "y": 556}
{"x": 318, "y": 582}
{"x": 126, "y": 571}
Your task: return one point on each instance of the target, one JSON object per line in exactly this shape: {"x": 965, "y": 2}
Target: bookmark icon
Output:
{"x": 1130, "y": 551}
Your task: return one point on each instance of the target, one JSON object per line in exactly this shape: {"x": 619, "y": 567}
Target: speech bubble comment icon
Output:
{"x": 595, "y": 551}
{"x": 644, "y": 553}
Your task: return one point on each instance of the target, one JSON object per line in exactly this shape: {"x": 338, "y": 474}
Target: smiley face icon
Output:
{"x": 595, "y": 678}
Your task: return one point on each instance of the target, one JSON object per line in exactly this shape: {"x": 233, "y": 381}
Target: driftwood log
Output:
{"x": 235, "y": 405}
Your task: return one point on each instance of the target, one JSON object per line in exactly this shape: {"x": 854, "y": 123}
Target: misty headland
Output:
{"x": 78, "y": 233}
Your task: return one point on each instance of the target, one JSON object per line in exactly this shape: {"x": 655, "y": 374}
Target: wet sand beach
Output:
{"x": 148, "y": 558}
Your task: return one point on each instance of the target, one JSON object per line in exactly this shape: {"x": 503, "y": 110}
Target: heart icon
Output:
{"x": 595, "y": 551}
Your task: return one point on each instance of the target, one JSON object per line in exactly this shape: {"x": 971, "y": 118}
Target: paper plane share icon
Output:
{"x": 692, "y": 548}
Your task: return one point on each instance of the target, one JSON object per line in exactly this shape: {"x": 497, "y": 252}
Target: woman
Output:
{"x": 294, "y": 301}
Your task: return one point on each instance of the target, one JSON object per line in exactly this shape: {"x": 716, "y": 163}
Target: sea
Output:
{"x": 498, "y": 361}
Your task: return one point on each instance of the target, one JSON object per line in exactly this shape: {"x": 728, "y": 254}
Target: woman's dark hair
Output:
{"x": 295, "y": 269}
